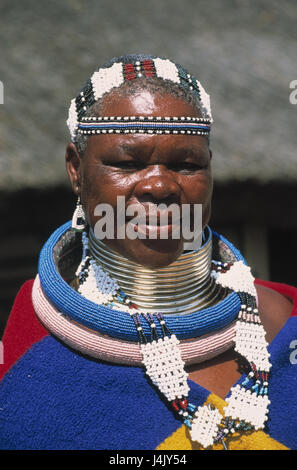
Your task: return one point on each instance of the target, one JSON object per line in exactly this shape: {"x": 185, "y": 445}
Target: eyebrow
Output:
{"x": 176, "y": 152}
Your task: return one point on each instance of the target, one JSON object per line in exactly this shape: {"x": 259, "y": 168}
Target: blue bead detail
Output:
{"x": 149, "y": 126}
{"x": 188, "y": 423}
{"x": 191, "y": 407}
{"x": 245, "y": 382}
{"x": 255, "y": 388}
{"x": 117, "y": 324}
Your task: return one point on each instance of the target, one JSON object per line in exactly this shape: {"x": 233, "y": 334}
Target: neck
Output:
{"x": 183, "y": 287}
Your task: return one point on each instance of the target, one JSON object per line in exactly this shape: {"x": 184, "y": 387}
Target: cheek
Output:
{"x": 207, "y": 203}
{"x": 103, "y": 186}
{"x": 198, "y": 190}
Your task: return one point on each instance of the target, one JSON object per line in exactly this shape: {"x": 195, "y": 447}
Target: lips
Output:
{"x": 151, "y": 217}
{"x": 153, "y": 222}
{"x": 158, "y": 231}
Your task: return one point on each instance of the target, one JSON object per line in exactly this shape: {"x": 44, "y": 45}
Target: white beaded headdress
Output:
{"x": 132, "y": 67}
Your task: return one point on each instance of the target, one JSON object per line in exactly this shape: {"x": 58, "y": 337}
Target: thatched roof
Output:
{"x": 243, "y": 52}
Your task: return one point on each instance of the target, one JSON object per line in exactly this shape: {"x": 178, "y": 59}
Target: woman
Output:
{"x": 116, "y": 326}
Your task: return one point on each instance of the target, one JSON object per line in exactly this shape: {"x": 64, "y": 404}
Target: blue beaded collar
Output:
{"x": 118, "y": 324}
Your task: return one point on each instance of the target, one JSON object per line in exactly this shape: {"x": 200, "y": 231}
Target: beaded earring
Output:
{"x": 79, "y": 218}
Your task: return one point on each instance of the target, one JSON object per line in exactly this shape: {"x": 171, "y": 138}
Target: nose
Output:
{"x": 158, "y": 186}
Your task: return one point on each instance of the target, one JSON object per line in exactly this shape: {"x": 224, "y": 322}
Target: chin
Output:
{"x": 151, "y": 253}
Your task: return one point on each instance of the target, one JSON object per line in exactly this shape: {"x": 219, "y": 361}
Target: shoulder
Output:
{"x": 22, "y": 329}
{"x": 276, "y": 303}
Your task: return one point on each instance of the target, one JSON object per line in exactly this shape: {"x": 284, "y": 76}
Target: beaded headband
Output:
{"x": 108, "y": 78}
{"x": 144, "y": 125}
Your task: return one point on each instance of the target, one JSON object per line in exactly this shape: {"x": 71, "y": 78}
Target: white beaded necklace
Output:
{"x": 247, "y": 404}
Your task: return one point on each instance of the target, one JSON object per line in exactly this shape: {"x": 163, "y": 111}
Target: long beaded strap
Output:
{"x": 247, "y": 405}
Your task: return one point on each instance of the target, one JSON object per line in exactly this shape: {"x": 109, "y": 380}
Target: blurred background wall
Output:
{"x": 243, "y": 52}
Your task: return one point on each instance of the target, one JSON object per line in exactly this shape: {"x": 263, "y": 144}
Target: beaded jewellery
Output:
{"x": 106, "y": 79}
{"x": 144, "y": 125}
{"x": 178, "y": 294}
{"x": 183, "y": 287}
{"x": 106, "y": 308}
{"x": 247, "y": 405}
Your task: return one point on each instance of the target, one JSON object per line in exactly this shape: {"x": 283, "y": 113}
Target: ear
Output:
{"x": 73, "y": 167}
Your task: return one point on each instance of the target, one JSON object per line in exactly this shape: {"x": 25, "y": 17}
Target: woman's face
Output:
{"x": 145, "y": 170}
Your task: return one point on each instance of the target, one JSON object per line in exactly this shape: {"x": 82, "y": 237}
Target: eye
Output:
{"x": 186, "y": 167}
{"x": 128, "y": 165}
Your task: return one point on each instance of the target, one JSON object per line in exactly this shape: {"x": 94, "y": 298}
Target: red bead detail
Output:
{"x": 147, "y": 62}
{"x": 149, "y": 74}
{"x": 129, "y": 72}
{"x": 132, "y": 305}
{"x": 226, "y": 268}
{"x": 175, "y": 405}
{"x": 183, "y": 404}
{"x": 148, "y": 68}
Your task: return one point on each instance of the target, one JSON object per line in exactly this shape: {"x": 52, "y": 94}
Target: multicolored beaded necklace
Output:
{"x": 247, "y": 405}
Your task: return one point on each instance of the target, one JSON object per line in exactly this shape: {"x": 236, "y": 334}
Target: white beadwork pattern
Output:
{"x": 250, "y": 342}
{"x": 205, "y": 425}
{"x": 166, "y": 70}
{"x": 238, "y": 278}
{"x": 72, "y": 121}
{"x": 78, "y": 214}
{"x": 98, "y": 287}
{"x": 105, "y": 79}
{"x": 247, "y": 406}
{"x": 205, "y": 101}
{"x": 165, "y": 367}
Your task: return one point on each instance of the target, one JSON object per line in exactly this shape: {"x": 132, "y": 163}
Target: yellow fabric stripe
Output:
{"x": 257, "y": 440}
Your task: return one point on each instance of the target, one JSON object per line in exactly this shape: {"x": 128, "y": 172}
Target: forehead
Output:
{"x": 146, "y": 103}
